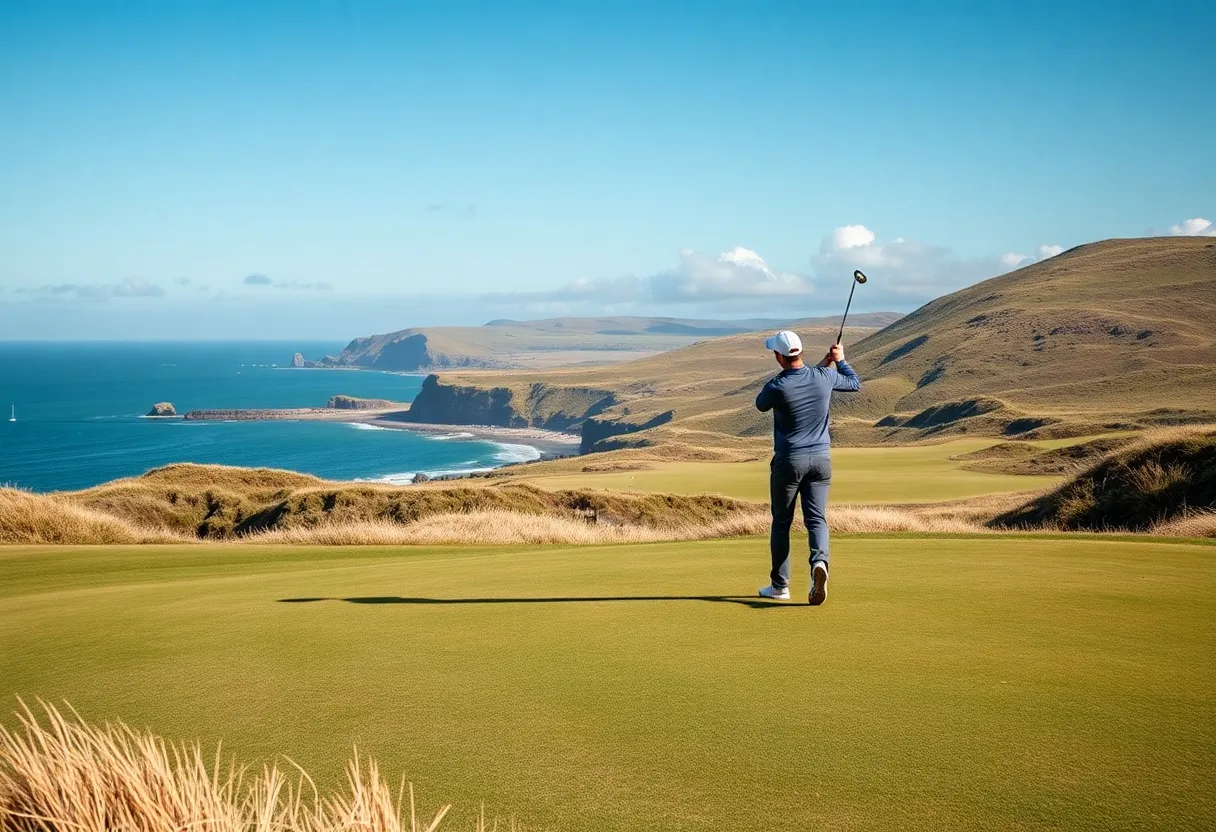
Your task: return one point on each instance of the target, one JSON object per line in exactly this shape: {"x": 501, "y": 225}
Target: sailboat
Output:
{"x": 12, "y": 414}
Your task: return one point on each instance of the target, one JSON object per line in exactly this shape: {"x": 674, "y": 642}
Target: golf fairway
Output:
{"x": 879, "y": 475}
{"x": 948, "y": 683}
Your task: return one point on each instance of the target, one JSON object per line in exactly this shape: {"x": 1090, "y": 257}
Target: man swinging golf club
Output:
{"x": 799, "y": 397}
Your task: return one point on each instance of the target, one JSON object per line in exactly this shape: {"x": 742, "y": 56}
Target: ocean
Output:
{"x": 79, "y": 404}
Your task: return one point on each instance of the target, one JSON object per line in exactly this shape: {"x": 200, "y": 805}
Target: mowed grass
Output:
{"x": 948, "y": 683}
{"x": 896, "y": 474}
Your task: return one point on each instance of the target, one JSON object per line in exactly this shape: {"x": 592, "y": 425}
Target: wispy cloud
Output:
{"x": 298, "y": 286}
{"x": 132, "y": 287}
{"x": 288, "y": 285}
{"x": 911, "y": 271}
{"x": 459, "y": 210}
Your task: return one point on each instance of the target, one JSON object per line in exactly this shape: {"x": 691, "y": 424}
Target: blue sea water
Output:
{"x": 79, "y": 406}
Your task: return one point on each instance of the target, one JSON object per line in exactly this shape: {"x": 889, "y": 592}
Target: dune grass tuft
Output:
{"x": 39, "y": 518}
{"x": 1165, "y": 478}
{"x": 58, "y": 772}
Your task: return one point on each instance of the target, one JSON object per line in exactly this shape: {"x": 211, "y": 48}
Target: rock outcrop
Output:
{"x": 254, "y": 415}
{"x": 162, "y": 409}
{"x": 341, "y": 402}
{"x": 597, "y": 435}
{"x": 300, "y": 362}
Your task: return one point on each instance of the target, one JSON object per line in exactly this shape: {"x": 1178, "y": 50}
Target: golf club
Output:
{"x": 858, "y": 277}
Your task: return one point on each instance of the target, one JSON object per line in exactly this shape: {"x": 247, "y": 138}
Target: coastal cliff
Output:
{"x": 405, "y": 351}
{"x": 537, "y": 405}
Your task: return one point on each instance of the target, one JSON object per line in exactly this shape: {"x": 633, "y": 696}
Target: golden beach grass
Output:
{"x": 60, "y": 773}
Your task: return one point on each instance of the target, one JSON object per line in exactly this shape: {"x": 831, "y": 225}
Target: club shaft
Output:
{"x": 846, "y": 312}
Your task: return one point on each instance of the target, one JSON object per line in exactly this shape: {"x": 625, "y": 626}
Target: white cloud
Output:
{"x": 735, "y": 274}
{"x": 738, "y": 274}
{"x": 1195, "y": 227}
{"x": 848, "y": 236}
{"x": 1043, "y": 252}
{"x": 1013, "y": 260}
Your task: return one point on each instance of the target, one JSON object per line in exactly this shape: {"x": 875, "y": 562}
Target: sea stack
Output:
{"x": 297, "y": 360}
{"x": 162, "y": 409}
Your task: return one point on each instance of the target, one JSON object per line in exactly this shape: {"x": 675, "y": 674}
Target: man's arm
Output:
{"x": 767, "y": 398}
{"x": 844, "y": 378}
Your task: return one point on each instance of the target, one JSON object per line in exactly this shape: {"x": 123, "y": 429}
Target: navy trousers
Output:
{"x": 805, "y": 476}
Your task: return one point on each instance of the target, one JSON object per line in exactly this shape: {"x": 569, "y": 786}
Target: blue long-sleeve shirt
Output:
{"x": 799, "y": 400}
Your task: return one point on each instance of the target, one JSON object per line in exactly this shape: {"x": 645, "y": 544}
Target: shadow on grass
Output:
{"x": 746, "y": 601}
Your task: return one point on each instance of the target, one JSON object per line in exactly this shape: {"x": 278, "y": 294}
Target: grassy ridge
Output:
{"x": 552, "y": 342}
{"x": 952, "y": 683}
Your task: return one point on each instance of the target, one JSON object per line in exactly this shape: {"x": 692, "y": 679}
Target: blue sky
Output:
{"x": 226, "y": 170}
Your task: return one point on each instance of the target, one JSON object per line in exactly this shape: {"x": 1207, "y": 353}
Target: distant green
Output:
{"x": 886, "y": 474}
{"x": 948, "y": 683}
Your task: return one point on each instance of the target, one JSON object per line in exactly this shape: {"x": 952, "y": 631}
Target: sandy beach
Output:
{"x": 549, "y": 443}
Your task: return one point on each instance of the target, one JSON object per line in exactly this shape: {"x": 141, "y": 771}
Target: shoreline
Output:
{"x": 549, "y": 443}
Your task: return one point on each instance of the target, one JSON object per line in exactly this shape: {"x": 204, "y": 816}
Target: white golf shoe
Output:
{"x": 776, "y": 594}
{"x": 819, "y": 584}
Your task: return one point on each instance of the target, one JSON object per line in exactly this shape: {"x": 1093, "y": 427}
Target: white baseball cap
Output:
{"x": 785, "y": 342}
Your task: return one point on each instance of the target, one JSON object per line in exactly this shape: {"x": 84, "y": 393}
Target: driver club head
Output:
{"x": 859, "y": 276}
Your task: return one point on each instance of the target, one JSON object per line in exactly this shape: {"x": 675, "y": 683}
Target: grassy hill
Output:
{"x": 551, "y": 342}
{"x": 1118, "y": 331}
{"x": 1108, "y": 336}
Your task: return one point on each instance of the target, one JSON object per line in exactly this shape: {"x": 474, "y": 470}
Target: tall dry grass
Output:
{"x": 39, "y": 518}
{"x": 1193, "y": 523}
{"x": 1154, "y": 484}
{"x": 506, "y": 527}
{"x": 61, "y": 774}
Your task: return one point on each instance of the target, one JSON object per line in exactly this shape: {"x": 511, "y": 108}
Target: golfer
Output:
{"x": 799, "y": 397}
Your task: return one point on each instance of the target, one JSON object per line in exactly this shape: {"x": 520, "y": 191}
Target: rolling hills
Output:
{"x": 1111, "y": 335}
{"x": 552, "y": 342}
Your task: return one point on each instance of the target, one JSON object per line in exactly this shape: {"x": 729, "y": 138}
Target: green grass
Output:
{"x": 889, "y": 474}
{"x": 951, "y": 683}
